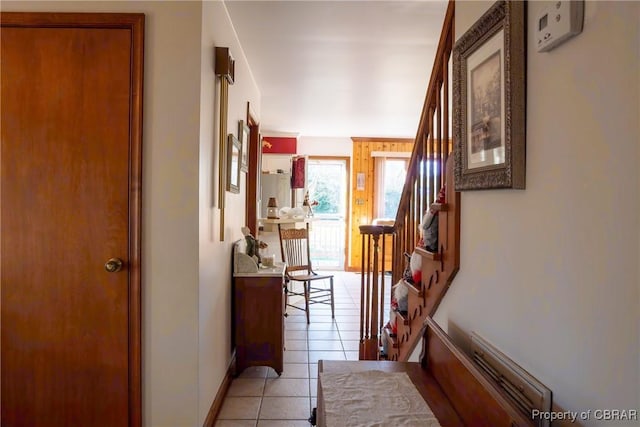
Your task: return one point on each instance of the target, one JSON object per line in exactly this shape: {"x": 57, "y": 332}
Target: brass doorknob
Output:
{"x": 113, "y": 265}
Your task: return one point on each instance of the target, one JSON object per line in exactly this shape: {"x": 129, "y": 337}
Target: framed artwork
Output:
{"x": 233, "y": 164}
{"x": 360, "y": 181}
{"x": 243, "y": 136}
{"x": 489, "y": 100}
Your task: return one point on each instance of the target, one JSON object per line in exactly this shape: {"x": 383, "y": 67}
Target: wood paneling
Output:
{"x": 363, "y": 201}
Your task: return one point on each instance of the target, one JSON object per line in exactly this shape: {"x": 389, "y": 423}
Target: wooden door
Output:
{"x": 70, "y": 201}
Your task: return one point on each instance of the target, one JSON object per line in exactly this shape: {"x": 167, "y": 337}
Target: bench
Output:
{"x": 453, "y": 387}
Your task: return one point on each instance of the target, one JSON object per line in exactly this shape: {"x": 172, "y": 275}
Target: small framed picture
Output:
{"x": 360, "y": 181}
{"x": 233, "y": 164}
{"x": 243, "y": 136}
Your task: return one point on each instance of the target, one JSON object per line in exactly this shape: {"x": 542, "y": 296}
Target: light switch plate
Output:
{"x": 558, "y": 23}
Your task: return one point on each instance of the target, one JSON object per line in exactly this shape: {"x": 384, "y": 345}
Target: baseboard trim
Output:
{"x": 214, "y": 411}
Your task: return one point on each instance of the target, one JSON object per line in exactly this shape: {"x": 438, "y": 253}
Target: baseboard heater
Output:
{"x": 523, "y": 389}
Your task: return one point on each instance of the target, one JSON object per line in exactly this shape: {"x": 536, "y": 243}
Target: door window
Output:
{"x": 327, "y": 185}
{"x": 390, "y": 176}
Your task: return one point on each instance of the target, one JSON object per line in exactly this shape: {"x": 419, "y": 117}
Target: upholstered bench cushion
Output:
{"x": 373, "y": 398}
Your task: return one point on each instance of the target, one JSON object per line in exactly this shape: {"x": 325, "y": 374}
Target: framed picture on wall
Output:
{"x": 489, "y": 100}
{"x": 243, "y": 136}
{"x": 233, "y": 164}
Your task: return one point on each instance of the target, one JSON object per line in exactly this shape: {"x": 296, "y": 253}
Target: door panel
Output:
{"x": 65, "y": 192}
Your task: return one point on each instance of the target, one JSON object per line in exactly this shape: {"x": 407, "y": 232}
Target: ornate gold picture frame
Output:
{"x": 489, "y": 99}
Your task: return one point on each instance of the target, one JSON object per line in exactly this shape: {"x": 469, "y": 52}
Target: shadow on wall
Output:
{"x": 459, "y": 336}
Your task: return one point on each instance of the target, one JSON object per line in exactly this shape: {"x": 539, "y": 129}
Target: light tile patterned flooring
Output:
{"x": 258, "y": 397}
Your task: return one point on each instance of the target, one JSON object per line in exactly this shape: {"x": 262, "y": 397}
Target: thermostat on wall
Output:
{"x": 558, "y": 23}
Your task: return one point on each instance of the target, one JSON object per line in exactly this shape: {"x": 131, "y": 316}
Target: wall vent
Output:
{"x": 524, "y": 390}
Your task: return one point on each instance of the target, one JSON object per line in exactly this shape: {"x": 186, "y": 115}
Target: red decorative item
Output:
{"x": 279, "y": 145}
{"x": 297, "y": 179}
{"x": 417, "y": 276}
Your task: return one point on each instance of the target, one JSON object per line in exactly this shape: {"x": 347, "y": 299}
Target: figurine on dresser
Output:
{"x": 253, "y": 245}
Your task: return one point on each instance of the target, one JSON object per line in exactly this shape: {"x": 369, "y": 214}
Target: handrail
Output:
{"x": 426, "y": 174}
{"x": 432, "y": 142}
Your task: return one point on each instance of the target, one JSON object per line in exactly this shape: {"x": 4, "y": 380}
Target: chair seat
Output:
{"x": 307, "y": 277}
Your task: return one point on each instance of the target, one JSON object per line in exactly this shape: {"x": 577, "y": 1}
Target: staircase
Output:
{"x": 430, "y": 168}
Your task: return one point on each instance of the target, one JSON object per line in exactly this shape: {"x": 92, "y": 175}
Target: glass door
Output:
{"x": 327, "y": 185}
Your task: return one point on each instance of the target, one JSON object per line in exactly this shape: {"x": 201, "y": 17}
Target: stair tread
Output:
{"x": 392, "y": 339}
{"x": 435, "y": 256}
{"x": 439, "y": 207}
{"x": 412, "y": 287}
{"x": 402, "y": 315}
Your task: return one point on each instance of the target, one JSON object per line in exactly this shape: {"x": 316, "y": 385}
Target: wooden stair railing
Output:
{"x": 372, "y": 288}
{"x": 430, "y": 168}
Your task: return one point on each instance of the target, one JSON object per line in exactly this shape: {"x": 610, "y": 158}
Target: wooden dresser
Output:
{"x": 258, "y": 305}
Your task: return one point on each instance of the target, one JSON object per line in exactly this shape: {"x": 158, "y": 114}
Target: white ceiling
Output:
{"x": 340, "y": 68}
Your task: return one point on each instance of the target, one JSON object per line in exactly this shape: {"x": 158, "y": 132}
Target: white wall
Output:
{"x": 320, "y": 146}
{"x": 272, "y": 162}
{"x": 215, "y": 256}
{"x": 309, "y": 146}
{"x": 550, "y": 274}
{"x": 186, "y": 269}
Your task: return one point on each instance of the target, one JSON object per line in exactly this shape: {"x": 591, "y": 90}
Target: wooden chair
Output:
{"x": 294, "y": 247}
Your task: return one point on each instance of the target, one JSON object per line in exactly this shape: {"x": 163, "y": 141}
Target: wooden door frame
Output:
{"x": 134, "y": 22}
{"x": 347, "y": 214}
{"x": 253, "y": 175}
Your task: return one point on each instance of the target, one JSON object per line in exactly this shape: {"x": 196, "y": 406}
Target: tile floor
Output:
{"x": 258, "y": 397}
